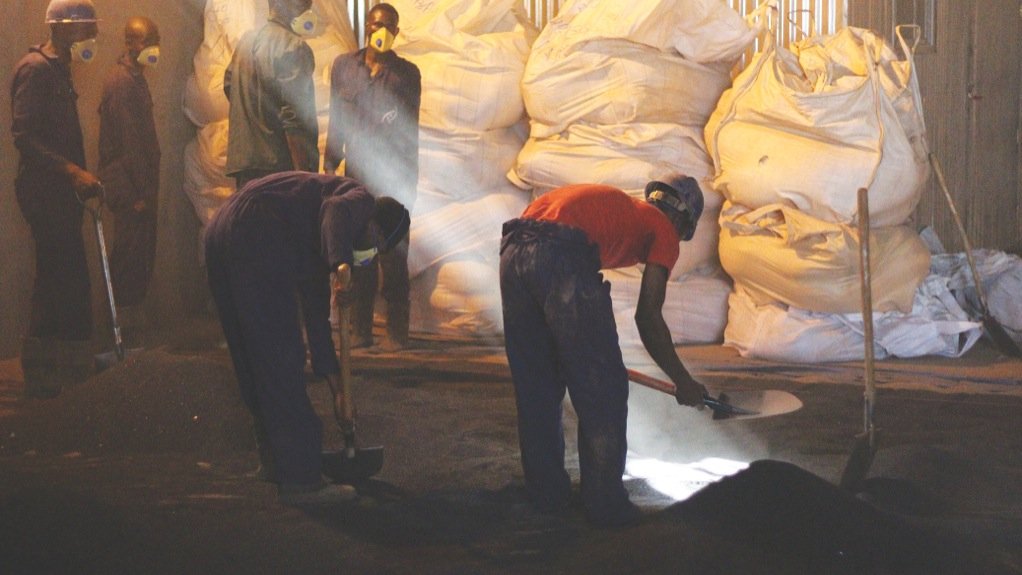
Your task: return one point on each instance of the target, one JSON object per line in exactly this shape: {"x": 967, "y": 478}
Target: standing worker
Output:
{"x": 51, "y": 185}
{"x": 560, "y": 334}
{"x": 269, "y": 253}
{"x": 272, "y": 125}
{"x": 374, "y": 131}
{"x": 129, "y": 164}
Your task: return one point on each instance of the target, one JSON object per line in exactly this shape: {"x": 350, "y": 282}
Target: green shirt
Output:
{"x": 270, "y": 88}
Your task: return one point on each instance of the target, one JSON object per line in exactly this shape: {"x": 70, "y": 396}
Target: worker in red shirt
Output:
{"x": 560, "y": 333}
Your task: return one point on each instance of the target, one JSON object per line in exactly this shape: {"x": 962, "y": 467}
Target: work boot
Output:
{"x": 364, "y": 281}
{"x": 397, "y": 326}
{"x": 37, "y": 364}
{"x": 396, "y": 292}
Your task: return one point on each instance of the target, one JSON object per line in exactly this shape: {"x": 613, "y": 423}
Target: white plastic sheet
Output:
{"x": 937, "y": 325}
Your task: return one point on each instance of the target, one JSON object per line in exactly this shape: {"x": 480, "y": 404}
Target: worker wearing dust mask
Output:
{"x": 129, "y": 164}
{"x": 51, "y": 184}
{"x": 374, "y": 134}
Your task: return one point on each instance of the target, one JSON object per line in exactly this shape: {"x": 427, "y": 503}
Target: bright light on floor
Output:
{"x": 680, "y": 480}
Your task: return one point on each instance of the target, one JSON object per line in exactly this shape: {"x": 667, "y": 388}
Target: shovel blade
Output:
{"x": 1000, "y": 337}
{"x": 859, "y": 462}
{"x": 753, "y": 404}
{"x": 347, "y": 466}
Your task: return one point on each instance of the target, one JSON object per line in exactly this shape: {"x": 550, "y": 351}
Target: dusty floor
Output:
{"x": 143, "y": 470}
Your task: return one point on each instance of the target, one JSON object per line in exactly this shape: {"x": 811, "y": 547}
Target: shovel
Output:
{"x": 865, "y": 446}
{"x": 106, "y": 359}
{"x": 993, "y": 328}
{"x": 747, "y": 404}
{"x": 353, "y": 464}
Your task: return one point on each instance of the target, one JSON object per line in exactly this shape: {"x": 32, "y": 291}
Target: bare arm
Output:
{"x": 656, "y": 336}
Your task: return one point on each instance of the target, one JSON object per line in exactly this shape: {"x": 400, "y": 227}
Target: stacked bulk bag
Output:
{"x": 204, "y": 102}
{"x": 811, "y": 125}
{"x": 618, "y": 93}
{"x": 471, "y": 54}
{"x": 793, "y": 140}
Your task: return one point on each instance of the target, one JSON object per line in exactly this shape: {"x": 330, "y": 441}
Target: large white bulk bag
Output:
{"x": 811, "y": 125}
{"x": 457, "y": 165}
{"x": 614, "y": 82}
{"x": 695, "y": 305}
{"x": 625, "y": 156}
{"x": 462, "y": 228}
{"x": 471, "y": 54}
{"x": 204, "y": 181}
{"x": 699, "y": 30}
{"x": 779, "y": 254}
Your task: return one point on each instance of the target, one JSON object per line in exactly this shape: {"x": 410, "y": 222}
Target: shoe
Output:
{"x": 317, "y": 494}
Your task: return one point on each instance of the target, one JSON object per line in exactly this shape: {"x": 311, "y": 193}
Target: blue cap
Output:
{"x": 680, "y": 198}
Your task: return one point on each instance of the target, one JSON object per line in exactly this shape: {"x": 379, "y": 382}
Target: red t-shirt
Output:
{"x": 627, "y": 230}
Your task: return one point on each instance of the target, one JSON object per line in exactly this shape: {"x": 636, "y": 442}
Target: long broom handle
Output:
{"x": 869, "y": 397}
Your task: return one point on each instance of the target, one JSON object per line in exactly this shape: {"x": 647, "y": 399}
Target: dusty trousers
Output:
{"x": 560, "y": 335}
{"x": 253, "y": 276}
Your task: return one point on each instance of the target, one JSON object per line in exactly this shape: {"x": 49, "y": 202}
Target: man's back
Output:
{"x": 270, "y": 88}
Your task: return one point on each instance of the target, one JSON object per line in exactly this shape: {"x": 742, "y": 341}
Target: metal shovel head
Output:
{"x": 352, "y": 466}
{"x": 752, "y": 404}
{"x": 859, "y": 462}
{"x": 108, "y": 359}
{"x": 1000, "y": 337}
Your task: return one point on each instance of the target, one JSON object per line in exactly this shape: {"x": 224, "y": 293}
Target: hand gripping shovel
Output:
{"x": 353, "y": 464}
{"x": 746, "y": 404}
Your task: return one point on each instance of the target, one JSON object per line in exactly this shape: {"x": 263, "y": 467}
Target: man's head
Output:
{"x": 678, "y": 196}
{"x": 142, "y": 39}
{"x": 285, "y": 11}
{"x": 73, "y": 22}
{"x": 381, "y": 27}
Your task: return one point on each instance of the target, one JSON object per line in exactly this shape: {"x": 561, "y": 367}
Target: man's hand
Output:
{"x": 85, "y": 185}
{"x": 690, "y": 393}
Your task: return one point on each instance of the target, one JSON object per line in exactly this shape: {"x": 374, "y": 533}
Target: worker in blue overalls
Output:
{"x": 269, "y": 253}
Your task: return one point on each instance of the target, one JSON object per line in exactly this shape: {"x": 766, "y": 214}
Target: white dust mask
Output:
{"x": 307, "y": 24}
{"x": 382, "y": 40}
{"x": 84, "y": 50}
{"x": 150, "y": 56}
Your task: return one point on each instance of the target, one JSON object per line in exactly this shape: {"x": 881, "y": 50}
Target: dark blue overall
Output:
{"x": 267, "y": 277}
{"x": 560, "y": 334}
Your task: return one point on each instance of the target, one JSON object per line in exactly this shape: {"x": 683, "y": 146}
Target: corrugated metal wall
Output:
{"x": 821, "y": 16}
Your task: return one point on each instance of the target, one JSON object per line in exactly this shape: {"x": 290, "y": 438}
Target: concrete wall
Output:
{"x": 178, "y": 284}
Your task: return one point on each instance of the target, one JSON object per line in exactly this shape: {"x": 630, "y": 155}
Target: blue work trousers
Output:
{"x": 560, "y": 334}
{"x": 253, "y": 277}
